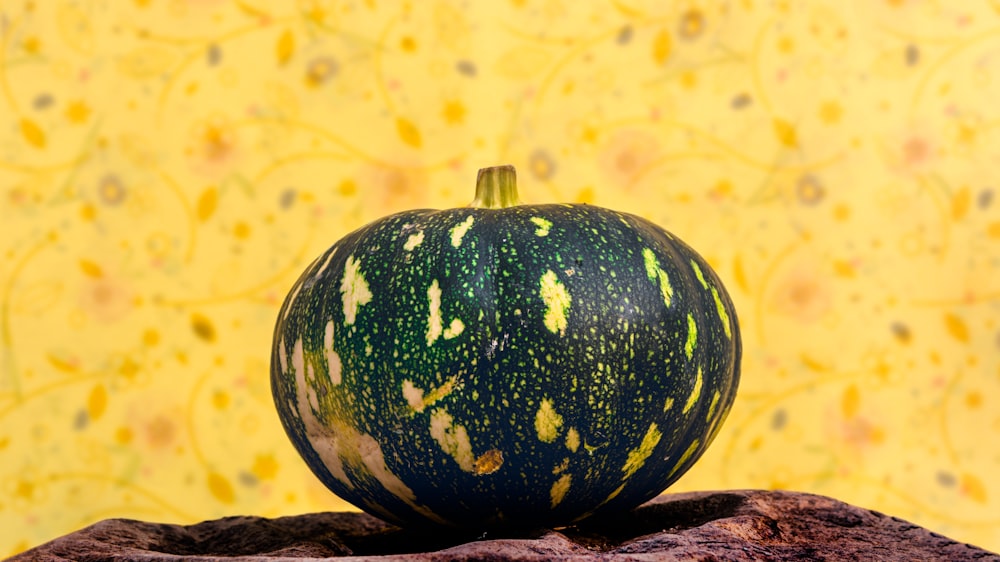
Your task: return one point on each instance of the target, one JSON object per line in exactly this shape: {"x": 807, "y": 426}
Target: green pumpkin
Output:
{"x": 504, "y": 364}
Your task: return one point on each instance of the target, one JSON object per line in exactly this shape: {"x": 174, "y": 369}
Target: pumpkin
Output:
{"x": 504, "y": 364}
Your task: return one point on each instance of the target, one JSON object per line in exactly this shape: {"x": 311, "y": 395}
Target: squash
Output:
{"x": 504, "y": 365}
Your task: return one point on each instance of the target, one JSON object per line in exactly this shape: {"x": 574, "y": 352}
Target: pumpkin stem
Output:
{"x": 496, "y": 188}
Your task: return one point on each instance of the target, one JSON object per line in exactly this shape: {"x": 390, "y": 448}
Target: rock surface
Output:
{"x": 728, "y": 525}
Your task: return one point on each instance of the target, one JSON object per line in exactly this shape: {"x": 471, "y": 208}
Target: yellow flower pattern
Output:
{"x": 168, "y": 167}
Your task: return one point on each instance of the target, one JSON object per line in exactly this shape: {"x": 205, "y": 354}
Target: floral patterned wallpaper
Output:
{"x": 168, "y": 167}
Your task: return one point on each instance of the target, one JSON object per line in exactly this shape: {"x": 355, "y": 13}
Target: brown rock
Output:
{"x": 716, "y": 526}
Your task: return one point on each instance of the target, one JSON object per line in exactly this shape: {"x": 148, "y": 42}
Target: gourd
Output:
{"x": 503, "y": 364}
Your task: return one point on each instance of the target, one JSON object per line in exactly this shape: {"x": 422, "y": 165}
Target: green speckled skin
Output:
{"x": 579, "y": 360}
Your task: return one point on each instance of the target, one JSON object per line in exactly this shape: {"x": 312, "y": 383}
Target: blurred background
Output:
{"x": 169, "y": 167}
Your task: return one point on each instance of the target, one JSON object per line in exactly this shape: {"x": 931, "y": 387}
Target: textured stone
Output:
{"x": 706, "y": 526}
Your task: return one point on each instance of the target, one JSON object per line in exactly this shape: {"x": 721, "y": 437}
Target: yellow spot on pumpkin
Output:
{"x": 290, "y": 301}
{"x": 652, "y": 264}
{"x": 413, "y": 241}
{"x": 454, "y": 329}
{"x": 699, "y": 274}
{"x": 334, "y": 366}
{"x": 488, "y": 462}
{"x": 459, "y": 230}
{"x": 311, "y": 391}
{"x": 695, "y": 393}
{"x": 452, "y": 438}
{"x": 612, "y": 495}
{"x": 692, "y": 337}
{"x": 547, "y": 422}
{"x": 557, "y": 302}
{"x": 337, "y": 443}
{"x": 656, "y": 273}
{"x": 668, "y": 404}
{"x": 559, "y": 489}
{"x": 326, "y": 444}
{"x": 416, "y": 398}
{"x": 354, "y": 290}
{"x": 637, "y": 457}
{"x": 283, "y": 356}
{"x": 687, "y": 455}
{"x": 298, "y": 361}
{"x": 368, "y": 454}
{"x": 434, "y": 325}
{"x": 572, "y": 439}
{"x": 711, "y": 407}
{"x": 723, "y": 315}
{"x": 543, "y": 226}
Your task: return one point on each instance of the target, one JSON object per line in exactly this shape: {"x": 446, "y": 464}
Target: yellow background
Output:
{"x": 168, "y": 167}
